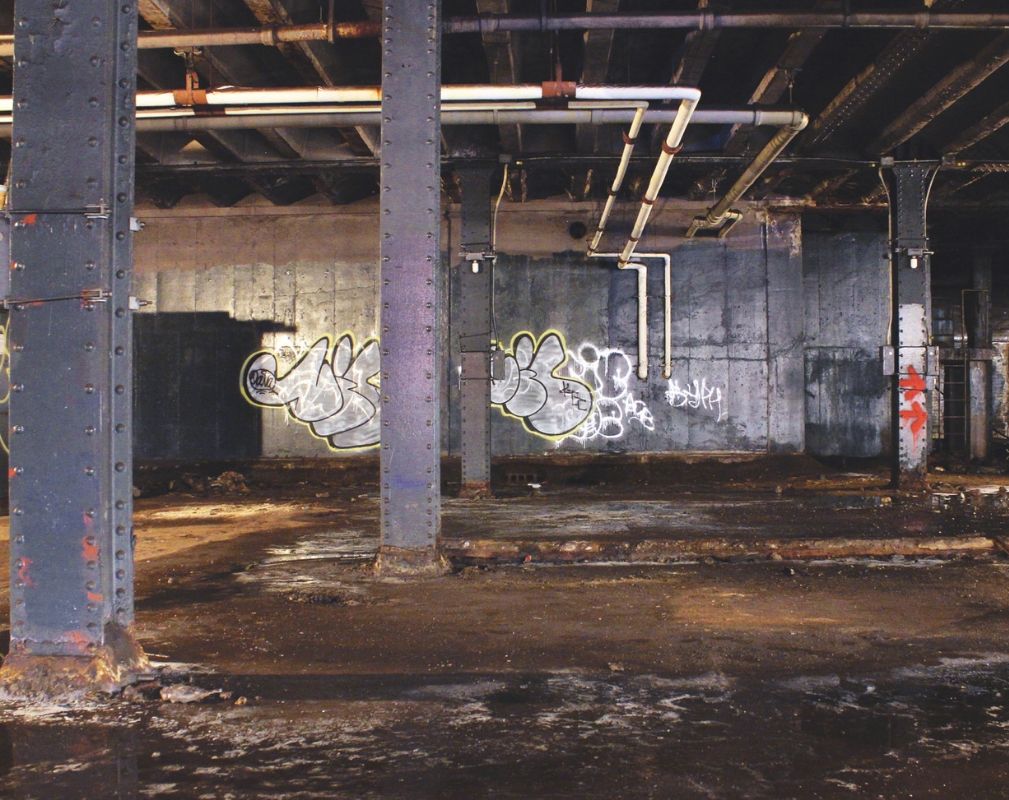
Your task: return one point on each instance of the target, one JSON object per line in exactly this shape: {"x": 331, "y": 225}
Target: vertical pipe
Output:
{"x": 410, "y": 453}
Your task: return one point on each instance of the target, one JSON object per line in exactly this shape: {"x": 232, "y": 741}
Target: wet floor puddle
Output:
{"x": 922, "y": 730}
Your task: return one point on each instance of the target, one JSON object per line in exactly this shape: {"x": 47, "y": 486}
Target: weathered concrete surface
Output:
{"x": 732, "y": 680}
{"x": 846, "y": 291}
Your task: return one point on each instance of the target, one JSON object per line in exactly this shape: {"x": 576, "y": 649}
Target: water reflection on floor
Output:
{"x": 939, "y": 730}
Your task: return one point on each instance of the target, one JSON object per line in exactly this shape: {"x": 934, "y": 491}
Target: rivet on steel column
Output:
{"x": 71, "y": 350}
{"x": 410, "y": 450}
{"x": 908, "y": 184}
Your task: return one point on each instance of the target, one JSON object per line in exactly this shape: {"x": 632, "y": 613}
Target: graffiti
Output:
{"x": 696, "y": 394}
{"x": 535, "y": 389}
{"x": 607, "y": 372}
{"x": 334, "y": 394}
{"x": 915, "y": 415}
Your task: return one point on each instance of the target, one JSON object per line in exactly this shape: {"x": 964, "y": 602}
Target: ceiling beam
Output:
{"x": 502, "y": 63}
{"x": 956, "y": 84}
{"x": 314, "y": 61}
{"x": 978, "y": 132}
{"x": 769, "y": 91}
{"x": 595, "y": 67}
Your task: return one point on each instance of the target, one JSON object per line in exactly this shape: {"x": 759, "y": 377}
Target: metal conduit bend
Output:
{"x": 721, "y": 215}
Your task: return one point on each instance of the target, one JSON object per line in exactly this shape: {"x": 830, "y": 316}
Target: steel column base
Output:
{"x": 408, "y": 562}
{"x": 113, "y": 666}
{"x": 475, "y": 490}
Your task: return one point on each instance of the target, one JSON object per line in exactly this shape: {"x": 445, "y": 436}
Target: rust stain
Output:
{"x": 11, "y": 472}
{"x": 23, "y": 574}
{"x": 95, "y": 597}
{"x": 90, "y": 551}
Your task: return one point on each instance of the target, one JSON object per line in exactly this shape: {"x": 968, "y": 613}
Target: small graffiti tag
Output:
{"x": 334, "y": 394}
{"x": 696, "y": 394}
{"x": 535, "y": 389}
{"x": 912, "y": 412}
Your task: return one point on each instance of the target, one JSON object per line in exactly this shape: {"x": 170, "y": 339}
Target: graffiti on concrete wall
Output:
{"x": 696, "y": 394}
{"x": 332, "y": 391}
{"x": 535, "y": 388}
{"x": 607, "y": 372}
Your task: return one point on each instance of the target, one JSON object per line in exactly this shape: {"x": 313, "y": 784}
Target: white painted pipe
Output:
{"x": 625, "y": 158}
{"x": 667, "y": 309}
{"x": 642, "y": 271}
{"x": 669, "y": 148}
{"x": 461, "y": 93}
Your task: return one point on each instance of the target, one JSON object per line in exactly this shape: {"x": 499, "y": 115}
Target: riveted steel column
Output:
{"x": 70, "y": 338}
{"x": 410, "y": 252}
{"x": 475, "y": 329}
{"x": 978, "y": 311}
{"x": 908, "y": 185}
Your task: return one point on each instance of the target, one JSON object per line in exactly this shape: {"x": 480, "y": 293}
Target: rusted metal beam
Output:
{"x": 502, "y": 63}
{"x": 955, "y": 85}
{"x": 978, "y": 132}
{"x": 595, "y": 68}
{"x": 314, "y": 60}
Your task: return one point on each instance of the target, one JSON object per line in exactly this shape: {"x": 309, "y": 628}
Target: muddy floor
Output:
{"x": 756, "y": 678}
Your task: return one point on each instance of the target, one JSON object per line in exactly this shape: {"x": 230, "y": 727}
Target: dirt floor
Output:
{"x": 739, "y": 673}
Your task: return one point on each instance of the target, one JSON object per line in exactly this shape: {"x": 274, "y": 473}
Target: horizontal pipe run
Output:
{"x": 186, "y": 119}
{"x": 274, "y": 35}
{"x": 232, "y": 97}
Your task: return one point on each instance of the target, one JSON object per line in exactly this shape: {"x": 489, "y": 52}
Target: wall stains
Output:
{"x": 335, "y": 395}
{"x": 534, "y": 388}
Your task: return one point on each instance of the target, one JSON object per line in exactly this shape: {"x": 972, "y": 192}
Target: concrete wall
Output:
{"x": 762, "y": 356}
{"x": 846, "y": 291}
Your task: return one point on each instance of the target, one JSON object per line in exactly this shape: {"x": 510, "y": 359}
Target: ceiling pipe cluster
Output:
{"x": 274, "y": 35}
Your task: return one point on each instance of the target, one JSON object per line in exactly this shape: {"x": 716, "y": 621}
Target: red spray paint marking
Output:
{"x": 94, "y": 597}
{"x": 11, "y": 472}
{"x": 30, "y": 219}
{"x": 23, "y": 575}
{"x": 913, "y": 385}
{"x": 90, "y": 551}
{"x": 917, "y": 417}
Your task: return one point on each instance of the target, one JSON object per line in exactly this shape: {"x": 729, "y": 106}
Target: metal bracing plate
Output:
{"x": 410, "y": 256}
{"x": 81, "y": 264}
{"x": 71, "y": 336}
{"x": 58, "y": 451}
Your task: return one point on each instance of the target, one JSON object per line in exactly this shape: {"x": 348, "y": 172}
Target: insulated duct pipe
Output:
{"x": 722, "y": 211}
{"x": 274, "y": 35}
{"x": 303, "y": 96}
{"x": 670, "y": 147}
{"x": 188, "y": 119}
{"x": 630, "y": 138}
